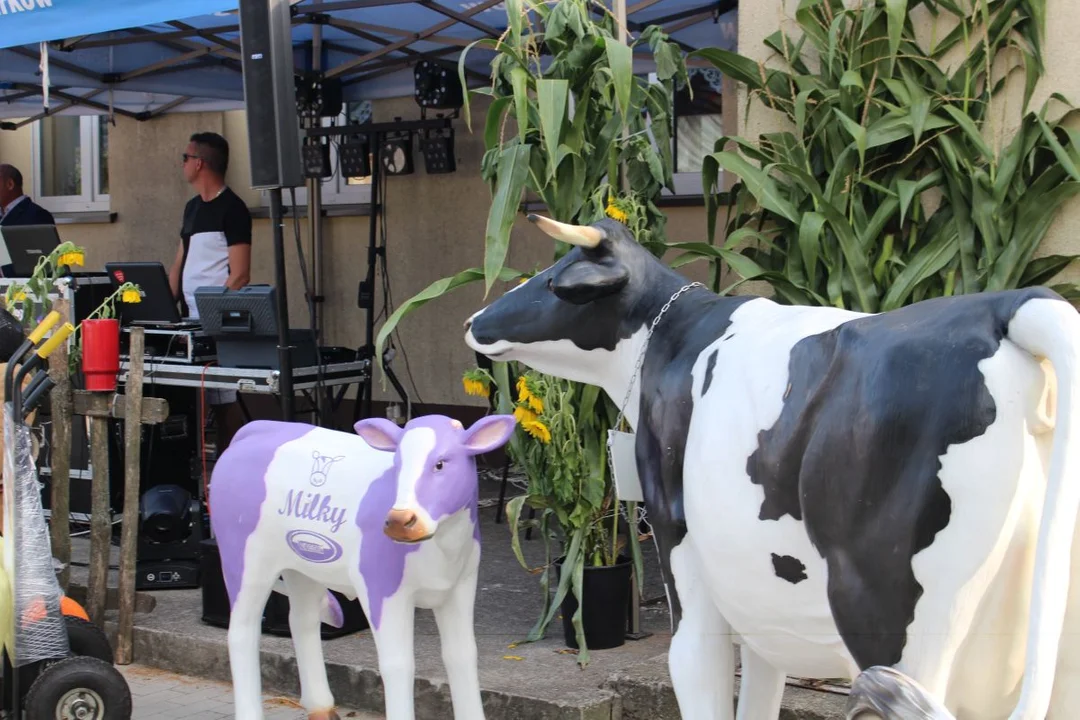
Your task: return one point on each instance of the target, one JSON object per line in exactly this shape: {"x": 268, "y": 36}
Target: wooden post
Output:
{"x": 129, "y": 532}
{"x": 99, "y": 407}
{"x": 100, "y": 521}
{"x": 60, "y": 454}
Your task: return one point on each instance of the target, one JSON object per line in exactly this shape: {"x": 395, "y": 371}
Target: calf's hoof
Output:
{"x": 324, "y": 715}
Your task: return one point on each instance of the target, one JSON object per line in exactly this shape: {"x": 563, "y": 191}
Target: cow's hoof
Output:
{"x": 324, "y": 715}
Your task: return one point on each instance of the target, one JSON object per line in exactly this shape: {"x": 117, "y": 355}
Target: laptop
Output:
{"x": 25, "y": 245}
{"x": 157, "y": 307}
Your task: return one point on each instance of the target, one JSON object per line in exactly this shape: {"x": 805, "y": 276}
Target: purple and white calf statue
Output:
{"x": 389, "y": 517}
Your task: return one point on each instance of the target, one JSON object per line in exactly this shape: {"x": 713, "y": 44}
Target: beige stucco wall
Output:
{"x": 435, "y": 227}
{"x": 1061, "y": 58}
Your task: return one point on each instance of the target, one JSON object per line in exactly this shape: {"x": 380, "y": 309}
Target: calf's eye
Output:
{"x": 439, "y": 465}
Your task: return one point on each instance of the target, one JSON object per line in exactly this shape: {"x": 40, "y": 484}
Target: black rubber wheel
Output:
{"x": 79, "y": 688}
{"x": 87, "y": 639}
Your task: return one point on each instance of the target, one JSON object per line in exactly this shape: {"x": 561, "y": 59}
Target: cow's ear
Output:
{"x": 488, "y": 433}
{"x": 589, "y": 280}
{"x": 379, "y": 433}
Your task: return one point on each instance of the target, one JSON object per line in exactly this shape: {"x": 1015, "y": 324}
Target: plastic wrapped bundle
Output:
{"x": 40, "y": 632}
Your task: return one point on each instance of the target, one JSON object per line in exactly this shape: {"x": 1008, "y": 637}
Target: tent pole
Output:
{"x": 373, "y": 253}
{"x": 316, "y": 234}
{"x": 285, "y": 379}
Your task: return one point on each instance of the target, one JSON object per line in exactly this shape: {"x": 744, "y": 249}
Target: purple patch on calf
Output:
{"x": 238, "y": 490}
{"x": 382, "y": 561}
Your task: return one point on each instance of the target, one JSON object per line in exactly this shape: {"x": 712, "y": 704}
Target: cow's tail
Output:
{"x": 1050, "y": 328}
{"x": 887, "y": 694}
{"x": 330, "y": 611}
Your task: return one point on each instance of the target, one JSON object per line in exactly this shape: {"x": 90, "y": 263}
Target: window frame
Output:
{"x": 687, "y": 184}
{"x": 91, "y": 199}
{"x": 335, "y": 189}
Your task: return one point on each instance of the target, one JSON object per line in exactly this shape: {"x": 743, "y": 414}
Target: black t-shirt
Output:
{"x": 209, "y": 229}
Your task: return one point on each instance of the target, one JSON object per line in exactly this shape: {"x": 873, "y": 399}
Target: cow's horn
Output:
{"x": 582, "y": 235}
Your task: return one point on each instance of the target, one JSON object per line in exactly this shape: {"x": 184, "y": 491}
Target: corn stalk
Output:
{"x": 839, "y": 210}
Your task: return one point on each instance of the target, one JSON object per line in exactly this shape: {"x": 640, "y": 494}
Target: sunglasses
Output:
{"x": 190, "y": 157}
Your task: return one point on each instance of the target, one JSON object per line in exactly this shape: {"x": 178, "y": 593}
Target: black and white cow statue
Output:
{"x": 834, "y": 490}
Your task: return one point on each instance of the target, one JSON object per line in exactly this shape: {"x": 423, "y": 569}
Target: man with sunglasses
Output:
{"x": 215, "y": 249}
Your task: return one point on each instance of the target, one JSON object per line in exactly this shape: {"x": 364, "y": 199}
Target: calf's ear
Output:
{"x": 588, "y": 280}
{"x": 379, "y": 433}
{"x": 488, "y": 433}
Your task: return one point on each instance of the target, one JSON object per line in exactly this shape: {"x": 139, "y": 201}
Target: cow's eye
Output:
{"x": 550, "y": 284}
{"x": 439, "y": 466}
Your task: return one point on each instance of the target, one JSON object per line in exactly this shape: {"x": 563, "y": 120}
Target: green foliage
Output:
{"x": 836, "y": 208}
{"x": 569, "y": 122}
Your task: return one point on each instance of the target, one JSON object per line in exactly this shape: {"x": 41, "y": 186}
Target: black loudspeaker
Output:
{"x": 215, "y": 602}
{"x": 270, "y": 94}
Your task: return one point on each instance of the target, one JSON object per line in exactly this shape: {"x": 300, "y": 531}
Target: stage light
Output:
{"x": 437, "y": 86}
{"x": 395, "y": 153}
{"x": 438, "y": 149}
{"x": 354, "y": 157}
{"x": 165, "y": 511}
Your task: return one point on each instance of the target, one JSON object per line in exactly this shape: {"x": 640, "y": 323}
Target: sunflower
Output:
{"x": 538, "y": 430}
{"x": 524, "y": 415}
{"x": 476, "y": 382}
{"x": 131, "y": 296}
{"x": 72, "y": 258}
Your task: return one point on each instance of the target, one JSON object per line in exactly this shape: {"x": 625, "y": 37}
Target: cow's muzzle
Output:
{"x": 405, "y": 526}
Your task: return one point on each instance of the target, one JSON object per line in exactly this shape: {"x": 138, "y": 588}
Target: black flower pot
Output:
{"x": 605, "y": 593}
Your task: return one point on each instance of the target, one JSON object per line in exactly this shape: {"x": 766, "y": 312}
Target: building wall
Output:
{"x": 434, "y": 226}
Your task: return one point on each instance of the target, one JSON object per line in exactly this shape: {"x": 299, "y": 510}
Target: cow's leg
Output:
{"x": 245, "y": 629}
{"x": 397, "y": 665}
{"x": 762, "y": 688}
{"x": 458, "y": 640}
{"x": 1065, "y": 702}
{"x": 304, "y": 626}
{"x": 701, "y": 659}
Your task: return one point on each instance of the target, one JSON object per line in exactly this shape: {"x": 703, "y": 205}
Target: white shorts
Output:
{"x": 220, "y": 397}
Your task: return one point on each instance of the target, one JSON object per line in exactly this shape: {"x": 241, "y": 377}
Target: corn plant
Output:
{"x": 567, "y": 121}
{"x": 839, "y": 209}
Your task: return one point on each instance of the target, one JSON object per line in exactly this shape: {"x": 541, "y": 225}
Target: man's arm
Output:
{"x": 174, "y": 271}
{"x": 239, "y": 266}
{"x": 238, "y": 238}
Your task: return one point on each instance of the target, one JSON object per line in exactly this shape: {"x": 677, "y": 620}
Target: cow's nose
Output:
{"x": 401, "y": 518}
{"x": 468, "y": 323}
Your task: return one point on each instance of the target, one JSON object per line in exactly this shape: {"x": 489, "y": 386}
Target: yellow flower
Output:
{"x": 73, "y": 258}
{"x": 18, "y": 296}
{"x": 615, "y": 213}
{"x": 524, "y": 415}
{"x": 536, "y": 404}
{"x": 475, "y": 387}
{"x": 538, "y": 430}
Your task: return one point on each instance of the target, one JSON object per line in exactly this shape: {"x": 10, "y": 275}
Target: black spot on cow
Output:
{"x": 709, "y": 367}
{"x": 789, "y": 568}
{"x": 874, "y": 404}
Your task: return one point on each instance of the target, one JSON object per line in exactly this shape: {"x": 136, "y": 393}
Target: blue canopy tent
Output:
{"x": 145, "y": 58}
{"x": 142, "y": 59}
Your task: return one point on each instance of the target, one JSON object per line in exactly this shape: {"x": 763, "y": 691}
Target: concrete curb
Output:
{"x": 355, "y": 686}
{"x": 641, "y": 692}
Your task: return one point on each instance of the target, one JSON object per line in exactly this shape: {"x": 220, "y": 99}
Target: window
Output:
{"x": 698, "y": 124}
{"x": 337, "y": 190}
{"x": 71, "y": 163}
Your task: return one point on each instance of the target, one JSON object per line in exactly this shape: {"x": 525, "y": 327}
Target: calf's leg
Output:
{"x": 305, "y": 597}
{"x": 701, "y": 659}
{"x": 397, "y": 665}
{"x": 245, "y": 628}
{"x": 458, "y": 639}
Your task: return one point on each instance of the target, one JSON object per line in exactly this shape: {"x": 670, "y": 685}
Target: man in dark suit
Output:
{"x": 15, "y": 207}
